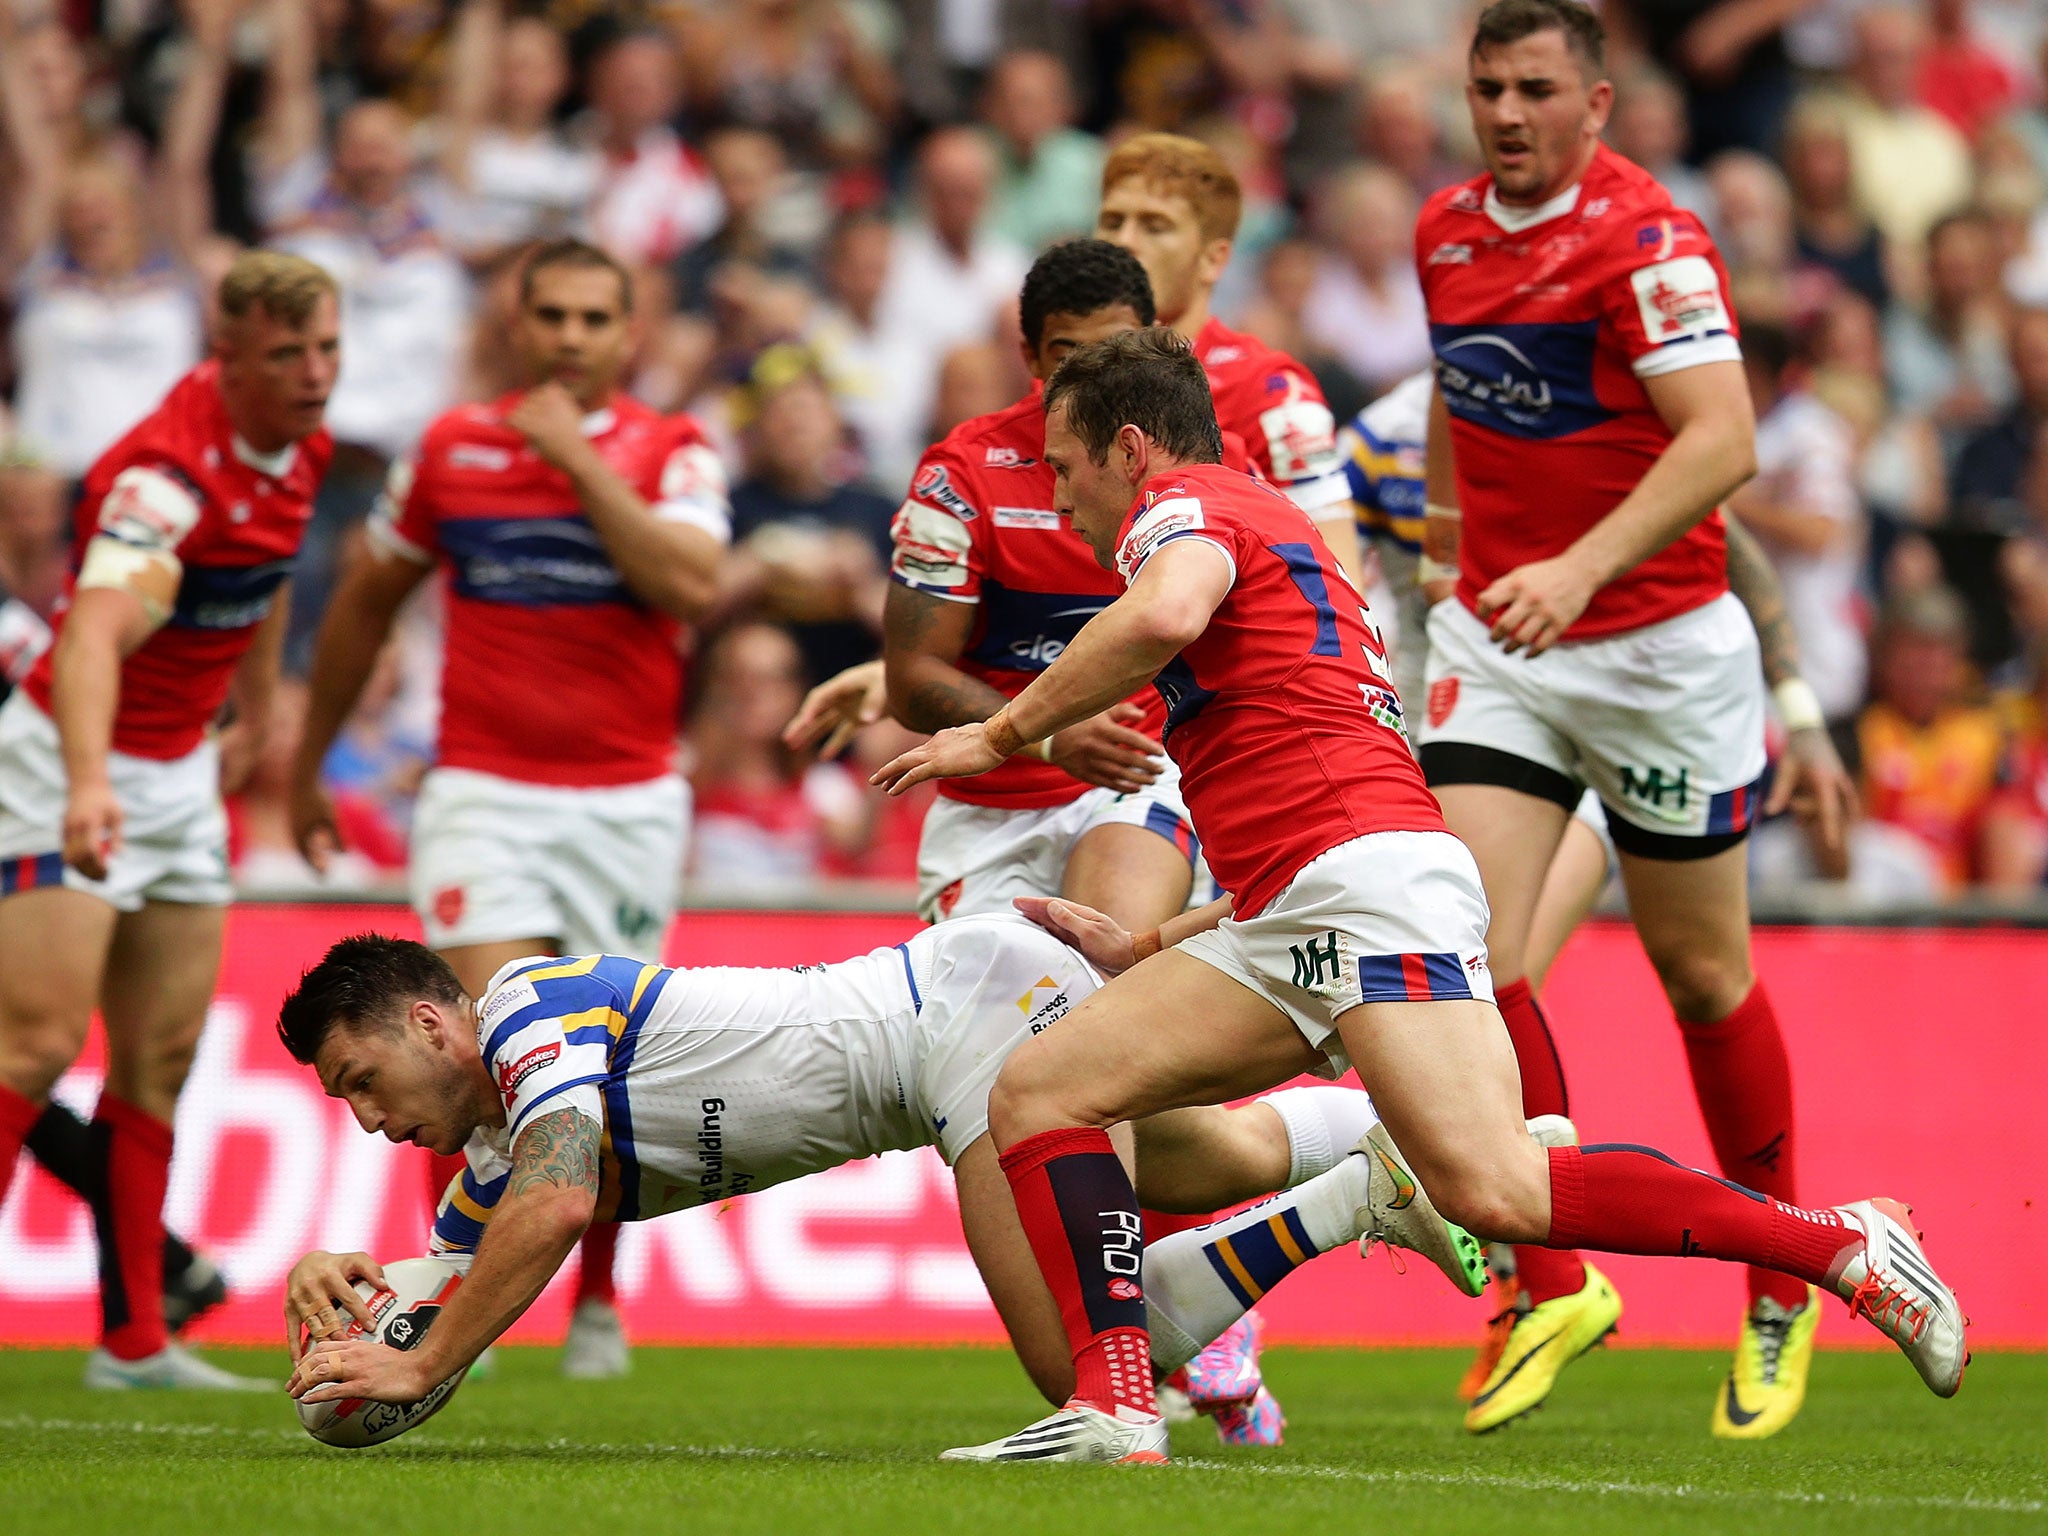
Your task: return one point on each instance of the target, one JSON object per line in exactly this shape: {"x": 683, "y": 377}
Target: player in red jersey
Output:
{"x": 580, "y": 531}
{"x": 113, "y": 840}
{"x": 1174, "y": 204}
{"x": 1355, "y": 926}
{"x": 1592, "y": 413}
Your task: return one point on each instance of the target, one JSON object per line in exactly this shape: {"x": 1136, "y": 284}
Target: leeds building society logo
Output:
{"x": 1045, "y": 1004}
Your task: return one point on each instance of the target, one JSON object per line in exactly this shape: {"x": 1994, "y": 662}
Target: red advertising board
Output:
{"x": 1921, "y": 1070}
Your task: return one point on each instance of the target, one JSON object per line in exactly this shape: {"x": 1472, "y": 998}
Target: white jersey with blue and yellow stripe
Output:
{"x": 1383, "y": 449}
{"x": 708, "y": 1082}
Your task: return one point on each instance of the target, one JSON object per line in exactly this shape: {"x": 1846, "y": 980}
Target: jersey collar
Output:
{"x": 276, "y": 465}
{"x": 1515, "y": 220}
{"x": 599, "y": 422}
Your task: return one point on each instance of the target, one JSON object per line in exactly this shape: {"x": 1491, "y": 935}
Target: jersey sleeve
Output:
{"x": 1296, "y": 444}
{"x": 150, "y": 506}
{"x": 402, "y": 521}
{"x": 466, "y": 1206}
{"x": 547, "y": 1044}
{"x": 692, "y": 488}
{"x": 1166, "y": 521}
{"x": 938, "y": 533}
{"x": 1666, "y": 296}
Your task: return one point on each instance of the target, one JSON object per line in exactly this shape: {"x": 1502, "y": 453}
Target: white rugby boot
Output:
{"x": 1887, "y": 1279}
{"x": 595, "y": 1349}
{"x": 1078, "y": 1432}
{"x": 172, "y": 1368}
{"x": 1394, "y": 1209}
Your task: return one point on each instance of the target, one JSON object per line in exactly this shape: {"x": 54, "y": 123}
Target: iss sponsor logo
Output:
{"x": 1006, "y": 458}
{"x": 1451, "y": 254}
{"x": 1443, "y": 698}
{"x": 1597, "y": 209}
{"x": 480, "y": 456}
{"x": 1042, "y": 518}
{"x": 934, "y": 485}
{"x": 1680, "y": 297}
{"x": 512, "y": 1073}
{"x": 1465, "y": 200}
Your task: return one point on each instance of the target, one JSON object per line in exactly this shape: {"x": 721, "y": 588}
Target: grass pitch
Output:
{"x": 743, "y": 1441}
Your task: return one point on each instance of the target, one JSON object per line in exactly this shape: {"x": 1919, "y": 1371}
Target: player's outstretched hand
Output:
{"x": 958, "y": 752}
{"x": 1105, "y": 751}
{"x": 1533, "y": 605}
{"x": 837, "y": 709}
{"x": 1103, "y": 941}
{"x": 320, "y": 1298}
{"x": 364, "y": 1368}
{"x": 1813, "y": 782}
{"x": 315, "y": 831}
{"x": 92, "y": 829}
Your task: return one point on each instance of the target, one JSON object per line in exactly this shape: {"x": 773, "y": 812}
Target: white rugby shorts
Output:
{"x": 974, "y": 858}
{"x": 595, "y": 870}
{"x": 174, "y": 831}
{"x": 1388, "y": 917}
{"x": 1665, "y": 723}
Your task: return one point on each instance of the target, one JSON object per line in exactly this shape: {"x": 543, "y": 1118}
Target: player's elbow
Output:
{"x": 1170, "y": 623}
{"x": 563, "y": 1215}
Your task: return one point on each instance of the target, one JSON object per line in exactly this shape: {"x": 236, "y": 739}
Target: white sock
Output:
{"x": 1323, "y": 1125}
{"x": 1199, "y": 1282}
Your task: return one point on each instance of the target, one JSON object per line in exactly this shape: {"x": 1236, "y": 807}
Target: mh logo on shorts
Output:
{"x": 1315, "y": 962}
{"x": 1649, "y": 786}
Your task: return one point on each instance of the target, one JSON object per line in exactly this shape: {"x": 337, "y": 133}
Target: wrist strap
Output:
{"x": 1002, "y": 737}
{"x": 1428, "y": 570}
{"x": 1438, "y": 510}
{"x": 1144, "y": 945}
{"x": 1798, "y": 705}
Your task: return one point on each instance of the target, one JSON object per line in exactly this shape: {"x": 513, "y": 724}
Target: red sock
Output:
{"x": 594, "y": 1279}
{"x": 1159, "y": 1224}
{"x": 1543, "y": 1272}
{"x": 1619, "y": 1199}
{"x": 1744, "y": 1085}
{"x": 131, "y": 1228}
{"x": 1080, "y": 1215}
{"x": 18, "y": 1117}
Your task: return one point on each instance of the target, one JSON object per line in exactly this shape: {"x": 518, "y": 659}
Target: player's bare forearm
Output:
{"x": 1754, "y": 581}
{"x": 548, "y": 1201}
{"x": 1712, "y": 452}
{"x": 254, "y": 688}
{"x": 669, "y": 566}
{"x": 85, "y": 679}
{"x": 922, "y": 637}
{"x": 1124, "y": 646}
{"x": 352, "y": 632}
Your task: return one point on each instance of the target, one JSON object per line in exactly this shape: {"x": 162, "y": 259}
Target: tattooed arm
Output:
{"x": 549, "y": 1199}
{"x": 1811, "y": 778}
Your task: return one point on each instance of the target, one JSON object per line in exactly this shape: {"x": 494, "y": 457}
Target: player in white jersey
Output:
{"x": 601, "y": 1088}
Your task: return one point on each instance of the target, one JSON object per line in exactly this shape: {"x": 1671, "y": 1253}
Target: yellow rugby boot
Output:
{"x": 1768, "y": 1383}
{"x": 1545, "y": 1339}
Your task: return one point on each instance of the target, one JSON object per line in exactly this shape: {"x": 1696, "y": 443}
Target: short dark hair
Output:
{"x": 1079, "y": 277}
{"x": 362, "y": 983}
{"x": 1149, "y": 379}
{"x": 570, "y": 252}
{"x": 1509, "y": 21}
{"x": 1770, "y": 346}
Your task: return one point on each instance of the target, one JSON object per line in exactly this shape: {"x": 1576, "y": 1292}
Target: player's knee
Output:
{"x": 37, "y": 1046}
{"x": 1498, "y": 1201}
{"x": 1702, "y": 985}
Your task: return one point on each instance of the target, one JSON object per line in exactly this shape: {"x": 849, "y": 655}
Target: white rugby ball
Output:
{"x": 415, "y": 1291}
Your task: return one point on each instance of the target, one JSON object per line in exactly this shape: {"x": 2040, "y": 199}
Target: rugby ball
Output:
{"x": 414, "y": 1293}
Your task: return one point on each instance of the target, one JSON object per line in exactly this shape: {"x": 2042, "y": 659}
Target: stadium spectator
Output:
{"x": 655, "y": 198}
{"x": 1930, "y": 759}
{"x": 1398, "y": 128}
{"x": 875, "y": 372}
{"x": 1275, "y": 315}
{"x": 1965, "y": 81}
{"x": 1994, "y": 479}
{"x": 1804, "y": 508}
{"x": 1753, "y": 207}
{"x": 766, "y": 223}
{"x": 1948, "y": 359}
{"x": 261, "y": 849}
{"x": 1730, "y": 56}
{"x": 1830, "y": 231}
{"x": 1049, "y": 171}
{"x": 763, "y": 818}
{"x": 508, "y": 174}
{"x": 35, "y": 518}
{"x": 1910, "y": 164}
{"x": 811, "y": 547}
{"x": 1649, "y": 126}
{"x": 1365, "y": 305}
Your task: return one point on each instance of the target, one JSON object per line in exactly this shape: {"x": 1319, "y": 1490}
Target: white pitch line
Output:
{"x": 1466, "y": 1480}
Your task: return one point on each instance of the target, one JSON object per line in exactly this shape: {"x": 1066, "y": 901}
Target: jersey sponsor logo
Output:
{"x": 1027, "y": 517}
{"x": 1597, "y": 209}
{"x": 1006, "y": 458}
{"x": 1466, "y": 200}
{"x": 1167, "y": 517}
{"x": 1026, "y": 631}
{"x": 1185, "y": 698}
{"x": 1450, "y": 254}
{"x": 516, "y": 994}
{"x": 693, "y": 473}
{"x": 1039, "y": 1016}
{"x": 931, "y": 546}
{"x": 1218, "y": 356}
{"x": 512, "y": 1073}
{"x": 1384, "y": 706}
{"x": 1301, "y": 434}
{"x": 1443, "y": 698}
{"x": 1679, "y": 298}
{"x": 531, "y": 561}
{"x": 934, "y": 485}
{"x": 149, "y": 509}
{"x": 1529, "y": 381}
{"x": 227, "y": 596}
{"x": 476, "y": 456}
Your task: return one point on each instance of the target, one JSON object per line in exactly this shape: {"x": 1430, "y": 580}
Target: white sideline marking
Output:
{"x": 1512, "y": 1484}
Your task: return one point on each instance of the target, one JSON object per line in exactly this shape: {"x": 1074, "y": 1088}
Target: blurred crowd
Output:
{"x": 832, "y": 203}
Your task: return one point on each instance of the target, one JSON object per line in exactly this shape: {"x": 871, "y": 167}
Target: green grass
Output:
{"x": 741, "y": 1441}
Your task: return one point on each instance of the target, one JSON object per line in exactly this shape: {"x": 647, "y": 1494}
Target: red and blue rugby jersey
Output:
{"x": 1545, "y": 322}
{"x": 1281, "y": 715}
{"x": 252, "y": 511}
{"x": 554, "y": 672}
